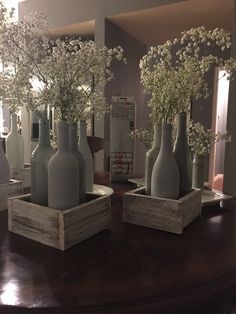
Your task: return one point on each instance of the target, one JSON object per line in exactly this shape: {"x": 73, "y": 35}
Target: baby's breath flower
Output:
{"x": 71, "y": 74}
{"x": 143, "y": 136}
{"x": 202, "y": 139}
{"x": 174, "y": 73}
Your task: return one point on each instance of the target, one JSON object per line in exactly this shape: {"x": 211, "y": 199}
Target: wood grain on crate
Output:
{"x": 22, "y": 175}
{"x": 12, "y": 188}
{"x": 161, "y": 213}
{"x": 56, "y": 228}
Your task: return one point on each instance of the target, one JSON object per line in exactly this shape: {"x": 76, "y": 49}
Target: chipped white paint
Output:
{"x": 56, "y": 228}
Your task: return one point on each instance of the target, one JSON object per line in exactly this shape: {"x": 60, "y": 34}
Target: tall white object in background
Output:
{"x": 122, "y": 148}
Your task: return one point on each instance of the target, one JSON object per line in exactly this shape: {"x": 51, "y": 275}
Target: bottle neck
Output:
{"x": 74, "y": 138}
{"x": 44, "y": 132}
{"x": 82, "y": 130}
{"x": 157, "y": 135}
{"x": 166, "y": 139}
{"x": 63, "y": 137}
{"x": 182, "y": 118}
{"x": 14, "y": 123}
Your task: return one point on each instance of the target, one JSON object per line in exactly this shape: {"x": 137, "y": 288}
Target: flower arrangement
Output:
{"x": 11, "y": 91}
{"x": 173, "y": 73}
{"x": 145, "y": 136}
{"x": 70, "y": 75}
{"x": 202, "y": 139}
{"x": 77, "y": 72}
{"x": 22, "y": 47}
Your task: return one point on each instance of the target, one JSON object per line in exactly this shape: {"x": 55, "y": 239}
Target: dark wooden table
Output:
{"x": 128, "y": 269}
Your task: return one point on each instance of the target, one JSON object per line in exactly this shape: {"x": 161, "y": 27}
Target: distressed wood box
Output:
{"x": 56, "y": 228}
{"x": 12, "y": 188}
{"x": 22, "y": 175}
{"x": 161, "y": 213}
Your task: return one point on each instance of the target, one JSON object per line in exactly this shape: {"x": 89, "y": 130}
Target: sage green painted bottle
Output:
{"x": 82, "y": 165}
{"x": 15, "y": 146}
{"x": 39, "y": 165}
{"x": 63, "y": 170}
{"x": 198, "y": 174}
{"x": 165, "y": 173}
{"x": 86, "y": 152}
{"x": 182, "y": 155}
{"x": 151, "y": 157}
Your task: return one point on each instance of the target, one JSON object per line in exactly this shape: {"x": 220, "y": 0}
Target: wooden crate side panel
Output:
{"x": 86, "y": 227}
{"x": 152, "y": 213}
{"x": 61, "y": 232}
{"x": 168, "y": 208}
{"x": 12, "y": 188}
{"x": 22, "y": 175}
{"x": 59, "y": 229}
{"x": 141, "y": 192}
{"x": 86, "y": 220}
{"x": 191, "y": 207}
{"x": 33, "y": 221}
{"x": 71, "y": 216}
{"x": 23, "y": 197}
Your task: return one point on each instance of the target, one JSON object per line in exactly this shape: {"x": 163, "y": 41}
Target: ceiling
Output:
{"x": 85, "y": 29}
{"x": 158, "y": 24}
{"x": 165, "y": 22}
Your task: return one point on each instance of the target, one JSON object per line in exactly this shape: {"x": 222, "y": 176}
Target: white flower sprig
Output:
{"x": 173, "y": 74}
{"x": 23, "y": 46}
{"x": 77, "y": 72}
{"x": 143, "y": 135}
{"x": 202, "y": 139}
{"x": 71, "y": 74}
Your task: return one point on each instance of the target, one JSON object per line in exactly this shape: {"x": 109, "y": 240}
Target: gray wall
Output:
{"x": 127, "y": 81}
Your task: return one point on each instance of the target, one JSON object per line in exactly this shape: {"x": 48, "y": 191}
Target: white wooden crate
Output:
{"x": 161, "y": 213}
{"x": 56, "y": 228}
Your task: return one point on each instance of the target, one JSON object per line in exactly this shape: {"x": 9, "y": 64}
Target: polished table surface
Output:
{"x": 128, "y": 269}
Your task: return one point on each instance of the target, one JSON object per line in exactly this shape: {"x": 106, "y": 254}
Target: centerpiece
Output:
{"x": 78, "y": 71}
{"x": 71, "y": 75}
{"x": 174, "y": 75}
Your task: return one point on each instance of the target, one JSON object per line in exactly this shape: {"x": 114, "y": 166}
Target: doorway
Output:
{"x": 219, "y": 124}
